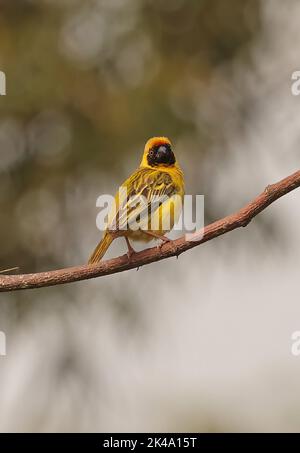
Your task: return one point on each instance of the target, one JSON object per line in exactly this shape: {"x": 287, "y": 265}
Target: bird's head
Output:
{"x": 158, "y": 153}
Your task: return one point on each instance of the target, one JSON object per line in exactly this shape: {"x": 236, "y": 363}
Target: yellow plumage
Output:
{"x": 160, "y": 180}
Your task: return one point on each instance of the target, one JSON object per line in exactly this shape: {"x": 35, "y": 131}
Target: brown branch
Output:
{"x": 172, "y": 248}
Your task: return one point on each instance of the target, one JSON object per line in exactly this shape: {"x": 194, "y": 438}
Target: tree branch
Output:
{"x": 172, "y": 248}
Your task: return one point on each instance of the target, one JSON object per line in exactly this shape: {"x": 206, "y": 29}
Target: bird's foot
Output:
{"x": 130, "y": 252}
{"x": 166, "y": 240}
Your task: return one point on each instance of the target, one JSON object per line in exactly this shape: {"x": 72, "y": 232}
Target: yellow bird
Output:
{"x": 159, "y": 181}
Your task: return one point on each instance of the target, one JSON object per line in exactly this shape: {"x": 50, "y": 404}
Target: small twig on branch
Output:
{"x": 4, "y": 271}
{"x": 172, "y": 248}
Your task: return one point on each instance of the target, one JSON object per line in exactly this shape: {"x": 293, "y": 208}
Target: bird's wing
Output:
{"x": 144, "y": 191}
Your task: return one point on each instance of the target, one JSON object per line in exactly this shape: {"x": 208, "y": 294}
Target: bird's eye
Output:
{"x": 151, "y": 152}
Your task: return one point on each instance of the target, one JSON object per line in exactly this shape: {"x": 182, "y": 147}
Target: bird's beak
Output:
{"x": 163, "y": 154}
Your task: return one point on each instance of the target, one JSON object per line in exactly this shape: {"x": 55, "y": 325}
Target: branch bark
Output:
{"x": 173, "y": 248}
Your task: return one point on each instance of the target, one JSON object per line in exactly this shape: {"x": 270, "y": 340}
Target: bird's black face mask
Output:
{"x": 161, "y": 155}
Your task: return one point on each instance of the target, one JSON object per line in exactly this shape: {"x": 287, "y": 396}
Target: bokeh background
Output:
{"x": 202, "y": 343}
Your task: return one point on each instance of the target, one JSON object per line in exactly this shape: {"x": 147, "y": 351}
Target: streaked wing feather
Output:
{"x": 154, "y": 185}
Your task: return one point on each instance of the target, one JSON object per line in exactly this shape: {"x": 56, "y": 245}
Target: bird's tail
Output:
{"x": 101, "y": 248}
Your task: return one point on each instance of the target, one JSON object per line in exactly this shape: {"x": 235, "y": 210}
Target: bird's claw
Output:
{"x": 130, "y": 254}
{"x": 166, "y": 241}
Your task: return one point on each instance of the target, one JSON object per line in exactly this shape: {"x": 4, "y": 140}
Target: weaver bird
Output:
{"x": 159, "y": 182}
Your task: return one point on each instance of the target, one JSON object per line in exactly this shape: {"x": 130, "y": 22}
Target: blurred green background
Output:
{"x": 88, "y": 82}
